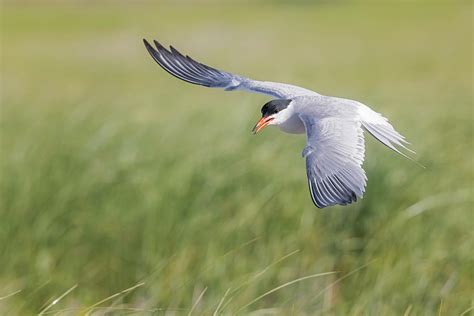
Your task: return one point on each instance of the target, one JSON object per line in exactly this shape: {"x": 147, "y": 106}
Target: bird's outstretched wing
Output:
{"x": 189, "y": 70}
{"x": 334, "y": 155}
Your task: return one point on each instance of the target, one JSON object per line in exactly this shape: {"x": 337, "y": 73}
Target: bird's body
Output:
{"x": 335, "y": 147}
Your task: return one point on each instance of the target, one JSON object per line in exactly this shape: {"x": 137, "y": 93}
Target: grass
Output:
{"x": 125, "y": 190}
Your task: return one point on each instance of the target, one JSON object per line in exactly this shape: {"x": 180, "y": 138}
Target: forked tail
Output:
{"x": 379, "y": 127}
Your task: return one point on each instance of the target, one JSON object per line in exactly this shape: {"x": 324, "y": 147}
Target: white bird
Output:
{"x": 335, "y": 148}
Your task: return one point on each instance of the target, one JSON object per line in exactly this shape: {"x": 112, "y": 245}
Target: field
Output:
{"x": 124, "y": 190}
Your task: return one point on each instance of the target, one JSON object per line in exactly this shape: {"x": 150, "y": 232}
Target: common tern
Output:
{"x": 335, "y": 148}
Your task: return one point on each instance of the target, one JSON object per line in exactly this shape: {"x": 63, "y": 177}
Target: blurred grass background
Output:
{"x": 113, "y": 173}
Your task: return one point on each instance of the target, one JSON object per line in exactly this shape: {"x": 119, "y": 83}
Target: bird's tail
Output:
{"x": 380, "y": 128}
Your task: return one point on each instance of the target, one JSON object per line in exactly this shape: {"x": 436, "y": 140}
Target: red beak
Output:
{"x": 264, "y": 121}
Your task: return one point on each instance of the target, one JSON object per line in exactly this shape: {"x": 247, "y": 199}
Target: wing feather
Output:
{"x": 189, "y": 70}
{"x": 334, "y": 155}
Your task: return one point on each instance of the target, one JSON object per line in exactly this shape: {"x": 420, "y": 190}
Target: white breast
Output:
{"x": 292, "y": 125}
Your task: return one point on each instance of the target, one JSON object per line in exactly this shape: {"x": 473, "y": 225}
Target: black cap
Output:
{"x": 274, "y": 106}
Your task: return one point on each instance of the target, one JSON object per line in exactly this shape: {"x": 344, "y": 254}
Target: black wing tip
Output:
{"x": 147, "y": 45}
{"x": 159, "y": 48}
{"x": 342, "y": 199}
{"x": 186, "y": 68}
{"x": 156, "y": 54}
{"x": 320, "y": 204}
{"x": 175, "y": 51}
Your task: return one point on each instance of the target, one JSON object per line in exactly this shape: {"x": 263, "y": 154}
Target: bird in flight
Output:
{"x": 335, "y": 148}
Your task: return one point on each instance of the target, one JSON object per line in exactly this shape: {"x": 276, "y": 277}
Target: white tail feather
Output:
{"x": 379, "y": 127}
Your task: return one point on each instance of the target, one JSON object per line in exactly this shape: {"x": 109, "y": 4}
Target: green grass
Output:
{"x": 113, "y": 173}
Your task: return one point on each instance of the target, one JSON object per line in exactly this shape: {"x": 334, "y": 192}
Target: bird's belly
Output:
{"x": 293, "y": 125}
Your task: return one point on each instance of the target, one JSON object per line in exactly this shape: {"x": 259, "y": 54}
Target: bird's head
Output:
{"x": 273, "y": 113}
